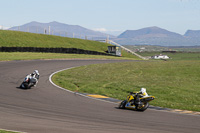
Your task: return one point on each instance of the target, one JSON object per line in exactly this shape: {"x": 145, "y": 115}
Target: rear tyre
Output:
{"x": 26, "y": 85}
{"x": 122, "y": 104}
{"x": 146, "y": 105}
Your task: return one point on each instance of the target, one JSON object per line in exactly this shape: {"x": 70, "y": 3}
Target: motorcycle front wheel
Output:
{"x": 122, "y": 104}
{"x": 24, "y": 85}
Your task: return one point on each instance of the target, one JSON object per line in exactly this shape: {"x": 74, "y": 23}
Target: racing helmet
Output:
{"x": 35, "y": 72}
{"x": 143, "y": 90}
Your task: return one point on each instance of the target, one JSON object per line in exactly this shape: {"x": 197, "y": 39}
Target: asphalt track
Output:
{"x": 47, "y": 109}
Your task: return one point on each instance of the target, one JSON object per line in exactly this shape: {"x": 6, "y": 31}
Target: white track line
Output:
{"x": 12, "y": 131}
{"x": 50, "y": 79}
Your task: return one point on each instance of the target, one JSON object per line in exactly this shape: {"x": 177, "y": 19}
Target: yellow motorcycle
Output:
{"x": 136, "y": 101}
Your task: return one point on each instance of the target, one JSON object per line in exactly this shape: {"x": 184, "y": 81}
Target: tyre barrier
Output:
{"x": 52, "y": 50}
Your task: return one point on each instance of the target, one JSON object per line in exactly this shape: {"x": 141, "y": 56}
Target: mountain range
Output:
{"x": 145, "y": 36}
{"x": 60, "y": 29}
{"x": 158, "y": 36}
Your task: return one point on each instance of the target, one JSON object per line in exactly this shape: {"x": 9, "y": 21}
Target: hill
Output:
{"x": 145, "y": 36}
{"x": 157, "y": 36}
{"x": 148, "y": 33}
{"x": 192, "y": 33}
{"x": 60, "y": 29}
{"x": 24, "y": 39}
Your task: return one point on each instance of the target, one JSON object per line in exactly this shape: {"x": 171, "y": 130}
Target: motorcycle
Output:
{"x": 136, "y": 101}
{"x": 28, "y": 82}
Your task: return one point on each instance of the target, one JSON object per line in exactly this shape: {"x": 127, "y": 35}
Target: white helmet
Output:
{"x": 144, "y": 93}
{"x": 143, "y": 90}
{"x": 35, "y": 72}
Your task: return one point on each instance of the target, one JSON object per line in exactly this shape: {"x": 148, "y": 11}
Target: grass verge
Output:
{"x": 8, "y": 56}
{"x": 175, "y": 84}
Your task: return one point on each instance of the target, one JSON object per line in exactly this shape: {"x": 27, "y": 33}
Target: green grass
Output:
{"x": 154, "y": 48}
{"x": 24, "y": 39}
{"x": 175, "y": 84}
{"x": 8, "y": 56}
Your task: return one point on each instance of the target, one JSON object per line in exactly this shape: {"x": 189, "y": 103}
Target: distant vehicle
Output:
{"x": 160, "y": 57}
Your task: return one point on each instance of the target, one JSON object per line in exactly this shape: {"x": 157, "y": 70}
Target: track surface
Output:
{"x": 49, "y": 109}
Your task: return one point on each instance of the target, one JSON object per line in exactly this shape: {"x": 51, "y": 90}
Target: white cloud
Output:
{"x": 3, "y": 27}
{"x": 112, "y": 32}
{"x": 105, "y": 30}
{"x": 100, "y": 29}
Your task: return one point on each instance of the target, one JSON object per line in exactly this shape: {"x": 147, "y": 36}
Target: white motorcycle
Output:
{"x": 28, "y": 82}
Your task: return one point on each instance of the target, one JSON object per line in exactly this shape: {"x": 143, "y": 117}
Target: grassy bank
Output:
{"x": 174, "y": 83}
{"x": 8, "y": 56}
{"x": 24, "y": 39}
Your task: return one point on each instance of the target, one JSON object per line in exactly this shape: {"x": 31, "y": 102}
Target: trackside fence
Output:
{"x": 52, "y": 50}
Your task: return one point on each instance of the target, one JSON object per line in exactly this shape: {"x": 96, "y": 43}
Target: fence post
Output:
{"x": 49, "y": 30}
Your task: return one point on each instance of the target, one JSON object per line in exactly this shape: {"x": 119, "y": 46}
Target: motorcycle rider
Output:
{"x": 144, "y": 92}
{"x": 34, "y": 76}
{"x": 136, "y": 96}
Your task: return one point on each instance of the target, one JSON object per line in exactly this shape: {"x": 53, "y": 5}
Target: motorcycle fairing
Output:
{"x": 147, "y": 99}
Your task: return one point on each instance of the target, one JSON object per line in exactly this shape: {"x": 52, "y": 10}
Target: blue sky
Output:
{"x": 111, "y": 16}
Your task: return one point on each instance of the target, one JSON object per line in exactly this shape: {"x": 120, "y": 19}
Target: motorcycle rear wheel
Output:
{"x": 145, "y": 106}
